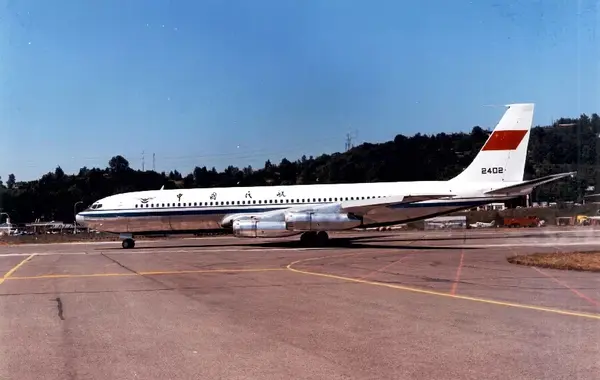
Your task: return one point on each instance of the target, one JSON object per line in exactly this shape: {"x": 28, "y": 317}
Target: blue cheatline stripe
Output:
{"x": 190, "y": 211}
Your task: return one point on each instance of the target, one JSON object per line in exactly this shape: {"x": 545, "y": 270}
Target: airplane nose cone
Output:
{"x": 80, "y": 219}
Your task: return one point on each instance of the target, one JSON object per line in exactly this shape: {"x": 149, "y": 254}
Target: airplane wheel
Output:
{"x": 314, "y": 239}
{"x": 308, "y": 238}
{"x": 322, "y": 238}
{"x": 128, "y": 243}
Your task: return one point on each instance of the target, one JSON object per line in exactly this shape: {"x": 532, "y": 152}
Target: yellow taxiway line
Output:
{"x": 147, "y": 273}
{"x": 14, "y": 269}
{"x": 442, "y": 294}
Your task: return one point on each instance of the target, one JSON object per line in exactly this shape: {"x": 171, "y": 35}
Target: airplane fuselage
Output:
{"x": 191, "y": 210}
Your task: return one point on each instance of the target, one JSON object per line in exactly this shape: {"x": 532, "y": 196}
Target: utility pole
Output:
{"x": 75, "y": 216}
{"x": 349, "y": 145}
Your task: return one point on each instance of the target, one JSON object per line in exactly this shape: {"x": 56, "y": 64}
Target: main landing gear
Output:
{"x": 128, "y": 241}
{"x": 314, "y": 238}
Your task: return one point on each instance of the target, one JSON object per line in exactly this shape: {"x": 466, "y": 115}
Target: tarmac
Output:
{"x": 373, "y": 305}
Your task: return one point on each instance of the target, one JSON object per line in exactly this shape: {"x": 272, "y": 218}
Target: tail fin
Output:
{"x": 502, "y": 157}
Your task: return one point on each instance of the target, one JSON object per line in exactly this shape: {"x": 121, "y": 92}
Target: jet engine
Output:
{"x": 256, "y": 228}
{"x": 306, "y": 221}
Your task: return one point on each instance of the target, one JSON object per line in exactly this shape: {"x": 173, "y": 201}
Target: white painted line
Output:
{"x": 141, "y": 250}
{"x": 533, "y": 244}
{"x": 119, "y": 241}
{"x": 42, "y": 254}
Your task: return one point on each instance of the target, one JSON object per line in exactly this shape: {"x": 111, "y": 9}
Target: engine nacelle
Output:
{"x": 305, "y": 221}
{"x": 255, "y": 228}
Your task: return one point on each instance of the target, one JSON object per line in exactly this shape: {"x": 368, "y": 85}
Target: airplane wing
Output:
{"x": 365, "y": 206}
{"x": 526, "y": 186}
{"x": 357, "y": 207}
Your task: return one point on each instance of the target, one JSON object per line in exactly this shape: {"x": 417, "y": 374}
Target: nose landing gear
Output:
{"x": 128, "y": 241}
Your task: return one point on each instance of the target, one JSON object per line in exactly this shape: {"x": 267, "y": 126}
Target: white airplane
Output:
{"x": 496, "y": 174}
{"x": 483, "y": 224}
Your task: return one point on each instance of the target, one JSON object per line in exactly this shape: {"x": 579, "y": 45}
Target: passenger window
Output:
{"x": 136, "y": 206}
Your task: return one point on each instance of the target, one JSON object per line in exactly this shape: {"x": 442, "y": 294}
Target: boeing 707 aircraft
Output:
{"x": 496, "y": 174}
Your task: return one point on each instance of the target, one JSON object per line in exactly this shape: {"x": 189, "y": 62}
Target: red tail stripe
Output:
{"x": 505, "y": 140}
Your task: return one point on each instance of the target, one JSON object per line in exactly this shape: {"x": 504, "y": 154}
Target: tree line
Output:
{"x": 570, "y": 144}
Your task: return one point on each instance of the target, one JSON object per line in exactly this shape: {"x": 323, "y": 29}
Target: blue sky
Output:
{"x": 237, "y": 82}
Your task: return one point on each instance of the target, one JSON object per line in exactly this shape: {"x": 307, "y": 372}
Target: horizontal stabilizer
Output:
{"x": 363, "y": 206}
{"x": 526, "y": 186}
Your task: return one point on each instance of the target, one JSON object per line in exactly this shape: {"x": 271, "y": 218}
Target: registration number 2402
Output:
{"x": 494, "y": 170}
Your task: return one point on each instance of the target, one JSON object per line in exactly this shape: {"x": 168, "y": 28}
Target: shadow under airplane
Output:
{"x": 357, "y": 242}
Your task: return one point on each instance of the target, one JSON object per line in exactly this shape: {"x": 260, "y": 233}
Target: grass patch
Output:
{"x": 581, "y": 261}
